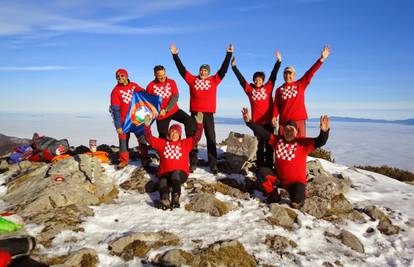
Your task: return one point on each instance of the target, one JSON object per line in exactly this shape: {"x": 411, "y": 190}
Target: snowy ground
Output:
{"x": 135, "y": 212}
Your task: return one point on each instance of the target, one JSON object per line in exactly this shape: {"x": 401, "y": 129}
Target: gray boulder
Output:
{"x": 279, "y": 244}
{"x": 385, "y": 225}
{"x": 204, "y": 202}
{"x": 315, "y": 206}
{"x": 281, "y": 216}
{"x": 351, "y": 241}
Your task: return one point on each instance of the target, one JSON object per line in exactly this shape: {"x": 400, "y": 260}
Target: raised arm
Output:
{"x": 152, "y": 141}
{"x": 324, "y": 132}
{"x": 307, "y": 77}
{"x": 172, "y": 102}
{"x": 177, "y": 60}
{"x": 257, "y": 129}
{"x": 199, "y": 128}
{"x": 225, "y": 65}
{"x": 236, "y": 71}
{"x": 276, "y": 67}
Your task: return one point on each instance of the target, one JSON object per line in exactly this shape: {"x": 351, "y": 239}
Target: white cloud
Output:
{"x": 35, "y": 68}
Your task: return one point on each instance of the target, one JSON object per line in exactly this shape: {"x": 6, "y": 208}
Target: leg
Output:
{"x": 123, "y": 150}
{"x": 162, "y": 127}
{"x": 164, "y": 192}
{"x": 194, "y": 151}
{"x": 210, "y": 132}
{"x": 267, "y": 178}
{"x": 268, "y": 160}
{"x": 143, "y": 150}
{"x": 260, "y": 152}
{"x": 301, "y": 128}
{"x": 176, "y": 180}
{"x": 185, "y": 119}
{"x": 296, "y": 194}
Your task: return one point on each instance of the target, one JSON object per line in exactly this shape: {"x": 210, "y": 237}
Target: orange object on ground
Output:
{"x": 101, "y": 155}
{"x": 60, "y": 157}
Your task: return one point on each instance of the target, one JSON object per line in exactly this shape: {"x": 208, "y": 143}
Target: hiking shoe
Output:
{"x": 175, "y": 202}
{"x": 273, "y": 197}
{"x": 165, "y": 203}
{"x": 193, "y": 168}
{"x": 214, "y": 170}
{"x": 296, "y": 205}
{"x": 121, "y": 165}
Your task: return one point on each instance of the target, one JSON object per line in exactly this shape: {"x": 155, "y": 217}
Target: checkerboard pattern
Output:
{"x": 259, "y": 94}
{"x": 289, "y": 92}
{"x": 172, "y": 151}
{"x": 202, "y": 85}
{"x": 127, "y": 95}
{"x": 285, "y": 151}
{"x": 163, "y": 91}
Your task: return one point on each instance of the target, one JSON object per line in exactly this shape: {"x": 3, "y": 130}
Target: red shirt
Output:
{"x": 290, "y": 97}
{"x": 261, "y": 102}
{"x": 290, "y": 158}
{"x": 166, "y": 90}
{"x": 203, "y": 93}
{"x": 122, "y": 95}
{"x": 173, "y": 155}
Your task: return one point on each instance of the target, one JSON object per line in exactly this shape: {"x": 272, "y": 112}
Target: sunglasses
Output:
{"x": 120, "y": 76}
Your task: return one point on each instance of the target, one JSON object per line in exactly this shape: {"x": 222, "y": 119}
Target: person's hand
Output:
{"x": 324, "y": 123}
{"x": 162, "y": 112}
{"x": 245, "y": 113}
{"x": 274, "y": 122}
{"x": 233, "y": 61}
{"x": 230, "y": 48}
{"x": 199, "y": 117}
{"x": 278, "y": 56}
{"x": 147, "y": 120}
{"x": 119, "y": 131}
{"x": 173, "y": 49}
{"x": 325, "y": 52}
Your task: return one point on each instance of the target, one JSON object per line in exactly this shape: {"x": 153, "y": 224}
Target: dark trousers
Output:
{"x": 264, "y": 152}
{"x": 296, "y": 190}
{"x": 172, "y": 179}
{"x": 180, "y": 116}
{"x": 210, "y": 132}
{"x": 123, "y": 147}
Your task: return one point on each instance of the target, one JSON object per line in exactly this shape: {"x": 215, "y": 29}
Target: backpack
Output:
{"x": 20, "y": 153}
{"x": 50, "y": 144}
{"x": 240, "y": 153}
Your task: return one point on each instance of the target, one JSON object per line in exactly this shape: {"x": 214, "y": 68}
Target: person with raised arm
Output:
{"x": 173, "y": 152}
{"x": 290, "y": 159}
{"x": 260, "y": 95}
{"x": 290, "y": 97}
{"x": 203, "y": 97}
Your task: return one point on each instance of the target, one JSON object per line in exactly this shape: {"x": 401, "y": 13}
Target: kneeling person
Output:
{"x": 290, "y": 159}
{"x": 174, "y": 159}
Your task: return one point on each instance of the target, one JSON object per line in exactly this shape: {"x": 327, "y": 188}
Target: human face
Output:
{"x": 161, "y": 76}
{"x": 258, "y": 82}
{"x": 289, "y": 76}
{"x": 290, "y": 133}
{"x": 174, "y": 135}
{"x": 122, "y": 79}
{"x": 203, "y": 73}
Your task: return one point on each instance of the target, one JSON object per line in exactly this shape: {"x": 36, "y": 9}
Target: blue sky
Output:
{"x": 60, "y": 56}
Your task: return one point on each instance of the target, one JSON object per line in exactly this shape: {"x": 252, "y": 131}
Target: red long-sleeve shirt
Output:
{"x": 166, "y": 90}
{"x": 173, "y": 155}
{"x": 261, "y": 102}
{"x": 122, "y": 95}
{"x": 290, "y": 97}
{"x": 203, "y": 93}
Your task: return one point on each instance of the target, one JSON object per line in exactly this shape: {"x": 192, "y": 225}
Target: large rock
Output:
{"x": 385, "y": 225}
{"x": 281, "y": 216}
{"x": 351, "y": 241}
{"x": 315, "y": 206}
{"x": 222, "y": 253}
{"x": 279, "y": 244}
{"x": 204, "y": 202}
{"x": 140, "y": 182}
{"x": 85, "y": 257}
{"x": 139, "y": 244}
{"x": 232, "y": 191}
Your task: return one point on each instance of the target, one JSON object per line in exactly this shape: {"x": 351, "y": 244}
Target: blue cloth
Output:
{"x": 21, "y": 153}
{"x": 141, "y": 105}
{"x": 116, "y": 116}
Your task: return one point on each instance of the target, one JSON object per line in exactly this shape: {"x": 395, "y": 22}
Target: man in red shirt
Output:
{"x": 167, "y": 89}
{"x": 121, "y": 97}
{"x": 261, "y": 104}
{"x": 290, "y": 159}
{"x": 203, "y": 96}
{"x": 290, "y": 97}
{"x": 173, "y": 152}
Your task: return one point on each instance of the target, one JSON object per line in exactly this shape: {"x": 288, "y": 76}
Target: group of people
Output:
{"x": 281, "y": 157}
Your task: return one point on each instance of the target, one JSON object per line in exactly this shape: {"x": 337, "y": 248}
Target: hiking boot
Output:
{"x": 193, "y": 168}
{"x": 18, "y": 246}
{"x": 175, "y": 202}
{"x": 273, "y": 197}
{"x": 214, "y": 170}
{"x": 296, "y": 205}
{"x": 165, "y": 203}
{"x": 121, "y": 165}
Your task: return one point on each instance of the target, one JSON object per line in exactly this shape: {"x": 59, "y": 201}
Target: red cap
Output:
{"x": 176, "y": 127}
{"x": 122, "y": 71}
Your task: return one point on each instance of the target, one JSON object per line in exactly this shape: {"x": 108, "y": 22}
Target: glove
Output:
{"x": 199, "y": 117}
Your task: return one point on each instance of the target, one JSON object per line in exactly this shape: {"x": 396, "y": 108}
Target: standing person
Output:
{"x": 167, "y": 89}
{"x": 290, "y": 159}
{"x": 290, "y": 97}
{"x": 173, "y": 152}
{"x": 121, "y": 97}
{"x": 261, "y": 104}
{"x": 203, "y": 97}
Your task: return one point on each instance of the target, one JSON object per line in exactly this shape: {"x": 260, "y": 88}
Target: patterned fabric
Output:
{"x": 121, "y": 97}
{"x": 202, "y": 84}
{"x": 172, "y": 151}
{"x": 203, "y": 93}
{"x": 163, "y": 91}
{"x": 261, "y": 102}
{"x": 285, "y": 151}
{"x": 166, "y": 90}
{"x": 259, "y": 94}
{"x": 127, "y": 95}
{"x": 289, "y": 92}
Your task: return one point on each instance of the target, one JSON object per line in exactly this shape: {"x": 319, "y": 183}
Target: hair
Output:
{"x": 158, "y": 67}
{"x": 259, "y": 74}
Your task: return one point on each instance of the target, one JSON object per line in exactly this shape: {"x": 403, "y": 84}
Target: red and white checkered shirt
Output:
{"x": 122, "y": 95}
{"x": 166, "y": 90}
{"x": 261, "y": 102}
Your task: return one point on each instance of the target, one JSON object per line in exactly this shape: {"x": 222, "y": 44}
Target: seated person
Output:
{"x": 290, "y": 159}
{"x": 174, "y": 159}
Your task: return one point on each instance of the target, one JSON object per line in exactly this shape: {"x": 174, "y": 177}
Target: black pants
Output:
{"x": 210, "y": 132}
{"x": 180, "y": 116}
{"x": 172, "y": 179}
{"x": 296, "y": 190}
{"x": 264, "y": 152}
